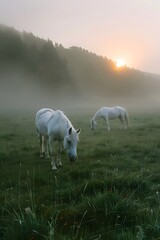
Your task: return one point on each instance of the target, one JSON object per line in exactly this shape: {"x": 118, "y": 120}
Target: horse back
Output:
{"x": 42, "y": 118}
{"x": 58, "y": 125}
{"x": 112, "y": 112}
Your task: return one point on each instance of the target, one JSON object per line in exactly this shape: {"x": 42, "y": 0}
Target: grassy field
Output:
{"x": 111, "y": 192}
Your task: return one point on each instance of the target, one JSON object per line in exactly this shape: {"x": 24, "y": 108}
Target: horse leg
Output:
{"x": 51, "y": 149}
{"x": 46, "y": 148}
{"x": 43, "y": 146}
{"x": 122, "y": 122}
{"x": 40, "y": 145}
{"x": 125, "y": 122}
{"x": 59, "y": 154}
{"x": 108, "y": 126}
{"x": 126, "y": 119}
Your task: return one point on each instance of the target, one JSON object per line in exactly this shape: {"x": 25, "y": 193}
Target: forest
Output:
{"x": 49, "y": 69}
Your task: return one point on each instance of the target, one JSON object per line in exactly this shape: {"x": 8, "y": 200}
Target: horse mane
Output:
{"x": 63, "y": 118}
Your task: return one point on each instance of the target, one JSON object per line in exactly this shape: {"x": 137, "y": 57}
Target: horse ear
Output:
{"x": 70, "y": 131}
{"x": 78, "y": 131}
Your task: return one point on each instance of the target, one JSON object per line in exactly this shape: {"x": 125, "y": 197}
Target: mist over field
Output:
{"x": 22, "y": 91}
{"x": 34, "y": 73}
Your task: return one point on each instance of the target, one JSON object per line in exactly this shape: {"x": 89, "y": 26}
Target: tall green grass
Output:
{"x": 111, "y": 192}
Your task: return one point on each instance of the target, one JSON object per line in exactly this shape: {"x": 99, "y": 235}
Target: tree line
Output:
{"x": 35, "y": 56}
{"x": 81, "y": 71}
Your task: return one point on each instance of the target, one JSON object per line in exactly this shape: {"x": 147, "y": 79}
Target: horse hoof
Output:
{"x": 54, "y": 168}
{"x": 59, "y": 164}
{"x": 42, "y": 155}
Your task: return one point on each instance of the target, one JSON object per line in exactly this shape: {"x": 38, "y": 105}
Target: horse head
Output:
{"x": 93, "y": 123}
{"x": 70, "y": 143}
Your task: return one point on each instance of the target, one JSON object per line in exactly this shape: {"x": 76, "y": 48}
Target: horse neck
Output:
{"x": 66, "y": 125}
{"x": 96, "y": 115}
{"x": 69, "y": 124}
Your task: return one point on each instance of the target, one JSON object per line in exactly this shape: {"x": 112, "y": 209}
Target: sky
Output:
{"x": 115, "y": 29}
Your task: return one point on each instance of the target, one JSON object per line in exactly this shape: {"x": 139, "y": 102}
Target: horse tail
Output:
{"x": 126, "y": 117}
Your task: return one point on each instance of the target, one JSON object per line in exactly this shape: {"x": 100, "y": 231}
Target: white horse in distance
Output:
{"x": 111, "y": 113}
{"x": 55, "y": 126}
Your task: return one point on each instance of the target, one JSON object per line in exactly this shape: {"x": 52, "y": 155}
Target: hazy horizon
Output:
{"x": 19, "y": 91}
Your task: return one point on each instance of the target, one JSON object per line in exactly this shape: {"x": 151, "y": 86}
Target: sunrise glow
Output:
{"x": 120, "y": 63}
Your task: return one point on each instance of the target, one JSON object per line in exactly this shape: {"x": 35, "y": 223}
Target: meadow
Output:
{"x": 111, "y": 192}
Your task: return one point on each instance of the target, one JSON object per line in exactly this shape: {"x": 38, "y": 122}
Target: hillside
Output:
{"x": 47, "y": 72}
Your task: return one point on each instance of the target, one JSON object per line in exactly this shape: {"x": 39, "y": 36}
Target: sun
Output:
{"x": 120, "y": 63}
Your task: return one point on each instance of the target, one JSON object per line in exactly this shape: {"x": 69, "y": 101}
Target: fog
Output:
{"x": 35, "y": 73}
{"x": 19, "y": 90}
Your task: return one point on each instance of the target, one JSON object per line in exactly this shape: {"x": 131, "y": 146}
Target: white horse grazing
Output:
{"x": 111, "y": 113}
{"x": 55, "y": 126}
